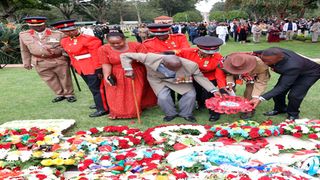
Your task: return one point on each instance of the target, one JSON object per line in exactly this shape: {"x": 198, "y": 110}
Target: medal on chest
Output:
{"x": 173, "y": 44}
{"x": 205, "y": 63}
{"x": 75, "y": 41}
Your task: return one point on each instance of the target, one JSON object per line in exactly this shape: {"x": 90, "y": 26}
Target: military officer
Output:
{"x": 169, "y": 72}
{"x": 208, "y": 58}
{"x": 83, "y": 52}
{"x": 252, "y": 71}
{"x": 40, "y": 47}
{"x": 162, "y": 40}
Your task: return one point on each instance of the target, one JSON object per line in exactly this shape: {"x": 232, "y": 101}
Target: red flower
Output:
{"x": 40, "y": 137}
{"x": 180, "y": 175}
{"x": 131, "y": 154}
{"x": 297, "y": 134}
{"x": 318, "y": 146}
{"x": 313, "y": 136}
{"x": 123, "y": 144}
{"x": 254, "y": 133}
{"x": 82, "y": 168}
{"x": 87, "y": 162}
{"x": 81, "y": 133}
{"x": 94, "y": 130}
{"x": 83, "y": 178}
{"x": 105, "y": 158}
{"x": 41, "y": 176}
{"x": 265, "y": 178}
{"x": 297, "y": 128}
{"x": 231, "y": 176}
{"x": 224, "y": 132}
{"x": 280, "y": 146}
{"x": 20, "y": 145}
{"x": 120, "y": 157}
{"x": 268, "y": 132}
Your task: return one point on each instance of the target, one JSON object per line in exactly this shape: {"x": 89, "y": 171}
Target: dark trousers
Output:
{"x": 295, "y": 97}
{"x": 94, "y": 83}
{"x": 235, "y": 36}
{"x": 203, "y": 95}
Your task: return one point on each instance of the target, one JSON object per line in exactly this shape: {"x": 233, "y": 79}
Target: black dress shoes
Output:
{"x": 71, "y": 99}
{"x": 214, "y": 117}
{"x": 247, "y": 115}
{"x": 292, "y": 118}
{"x": 190, "y": 119}
{"x": 273, "y": 113}
{"x": 93, "y": 107}
{"x": 169, "y": 118}
{"x": 58, "y": 99}
{"x": 98, "y": 114}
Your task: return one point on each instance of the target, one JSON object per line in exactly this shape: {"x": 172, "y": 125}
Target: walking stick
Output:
{"x": 75, "y": 78}
{"x": 135, "y": 101}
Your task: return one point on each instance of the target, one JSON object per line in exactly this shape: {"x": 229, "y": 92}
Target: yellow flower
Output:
{"x": 39, "y": 143}
{"x": 69, "y": 162}
{"x": 37, "y": 154}
{"x": 15, "y": 139}
{"x": 47, "y": 162}
{"x": 55, "y": 155}
{"x": 47, "y": 139}
{"x": 2, "y": 164}
{"x": 79, "y": 154}
{"x": 58, "y": 161}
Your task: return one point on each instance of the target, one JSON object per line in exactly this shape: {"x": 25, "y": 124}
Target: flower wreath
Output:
{"x": 175, "y": 137}
{"x": 229, "y": 104}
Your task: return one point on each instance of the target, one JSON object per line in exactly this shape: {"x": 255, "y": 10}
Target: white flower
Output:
{"x": 13, "y": 156}
{"x": 130, "y": 143}
{"x": 65, "y": 155}
{"x": 3, "y": 153}
{"x": 106, "y": 163}
{"x": 124, "y": 132}
{"x": 305, "y": 130}
{"x": 25, "y": 155}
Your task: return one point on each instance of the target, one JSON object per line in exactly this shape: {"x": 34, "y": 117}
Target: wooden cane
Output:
{"x": 135, "y": 100}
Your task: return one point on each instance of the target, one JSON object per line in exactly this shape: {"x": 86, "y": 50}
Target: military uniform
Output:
{"x": 43, "y": 50}
{"x": 83, "y": 52}
{"x": 208, "y": 59}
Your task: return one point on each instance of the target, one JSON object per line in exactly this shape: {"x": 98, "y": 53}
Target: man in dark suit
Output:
{"x": 297, "y": 75}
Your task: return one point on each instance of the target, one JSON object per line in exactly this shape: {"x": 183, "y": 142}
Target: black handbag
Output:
{"x": 112, "y": 79}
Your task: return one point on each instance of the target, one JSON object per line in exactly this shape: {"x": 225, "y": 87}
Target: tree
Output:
{"x": 218, "y": 6}
{"x": 66, "y": 7}
{"x": 227, "y": 15}
{"x": 96, "y": 9}
{"x": 188, "y": 16}
{"x": 280, "y": 8}
{"x": 8, "y": 8}
{"x": 171, "y": 7}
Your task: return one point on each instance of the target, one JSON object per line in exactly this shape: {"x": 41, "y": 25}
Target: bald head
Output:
{"x": 272, "y": 56}
{"x": 172, "y": 62}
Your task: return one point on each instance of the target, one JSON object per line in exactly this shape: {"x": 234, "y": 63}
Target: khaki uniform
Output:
{"x": 45, "y": 53}
{"x": 261, "y": 77}
{"x": 315, "y": 31}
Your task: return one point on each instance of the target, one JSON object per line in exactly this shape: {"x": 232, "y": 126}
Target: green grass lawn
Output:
{"x": 23, "y": 95}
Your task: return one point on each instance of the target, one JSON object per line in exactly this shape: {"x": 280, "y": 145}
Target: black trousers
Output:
{"x": 94, "y": 83}
{"x": 203, "y": 95}
{"x": 296, "y": 93}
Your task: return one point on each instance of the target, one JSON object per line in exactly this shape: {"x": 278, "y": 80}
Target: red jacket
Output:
{"x": 83, "y": 53}
{"x": 174, "y": 42}
{"x": 208, "y": 65}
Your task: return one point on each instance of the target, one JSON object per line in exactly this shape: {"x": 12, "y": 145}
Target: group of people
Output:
{"x": 162, "y": 70}
{"x": 274, "y": 29}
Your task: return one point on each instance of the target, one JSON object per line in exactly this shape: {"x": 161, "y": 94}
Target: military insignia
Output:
{"x": 205, "y": 64}
{"x": 75, "y": 41}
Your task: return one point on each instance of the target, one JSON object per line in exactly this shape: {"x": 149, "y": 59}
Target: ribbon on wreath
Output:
{"x": 229, "y": 104}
